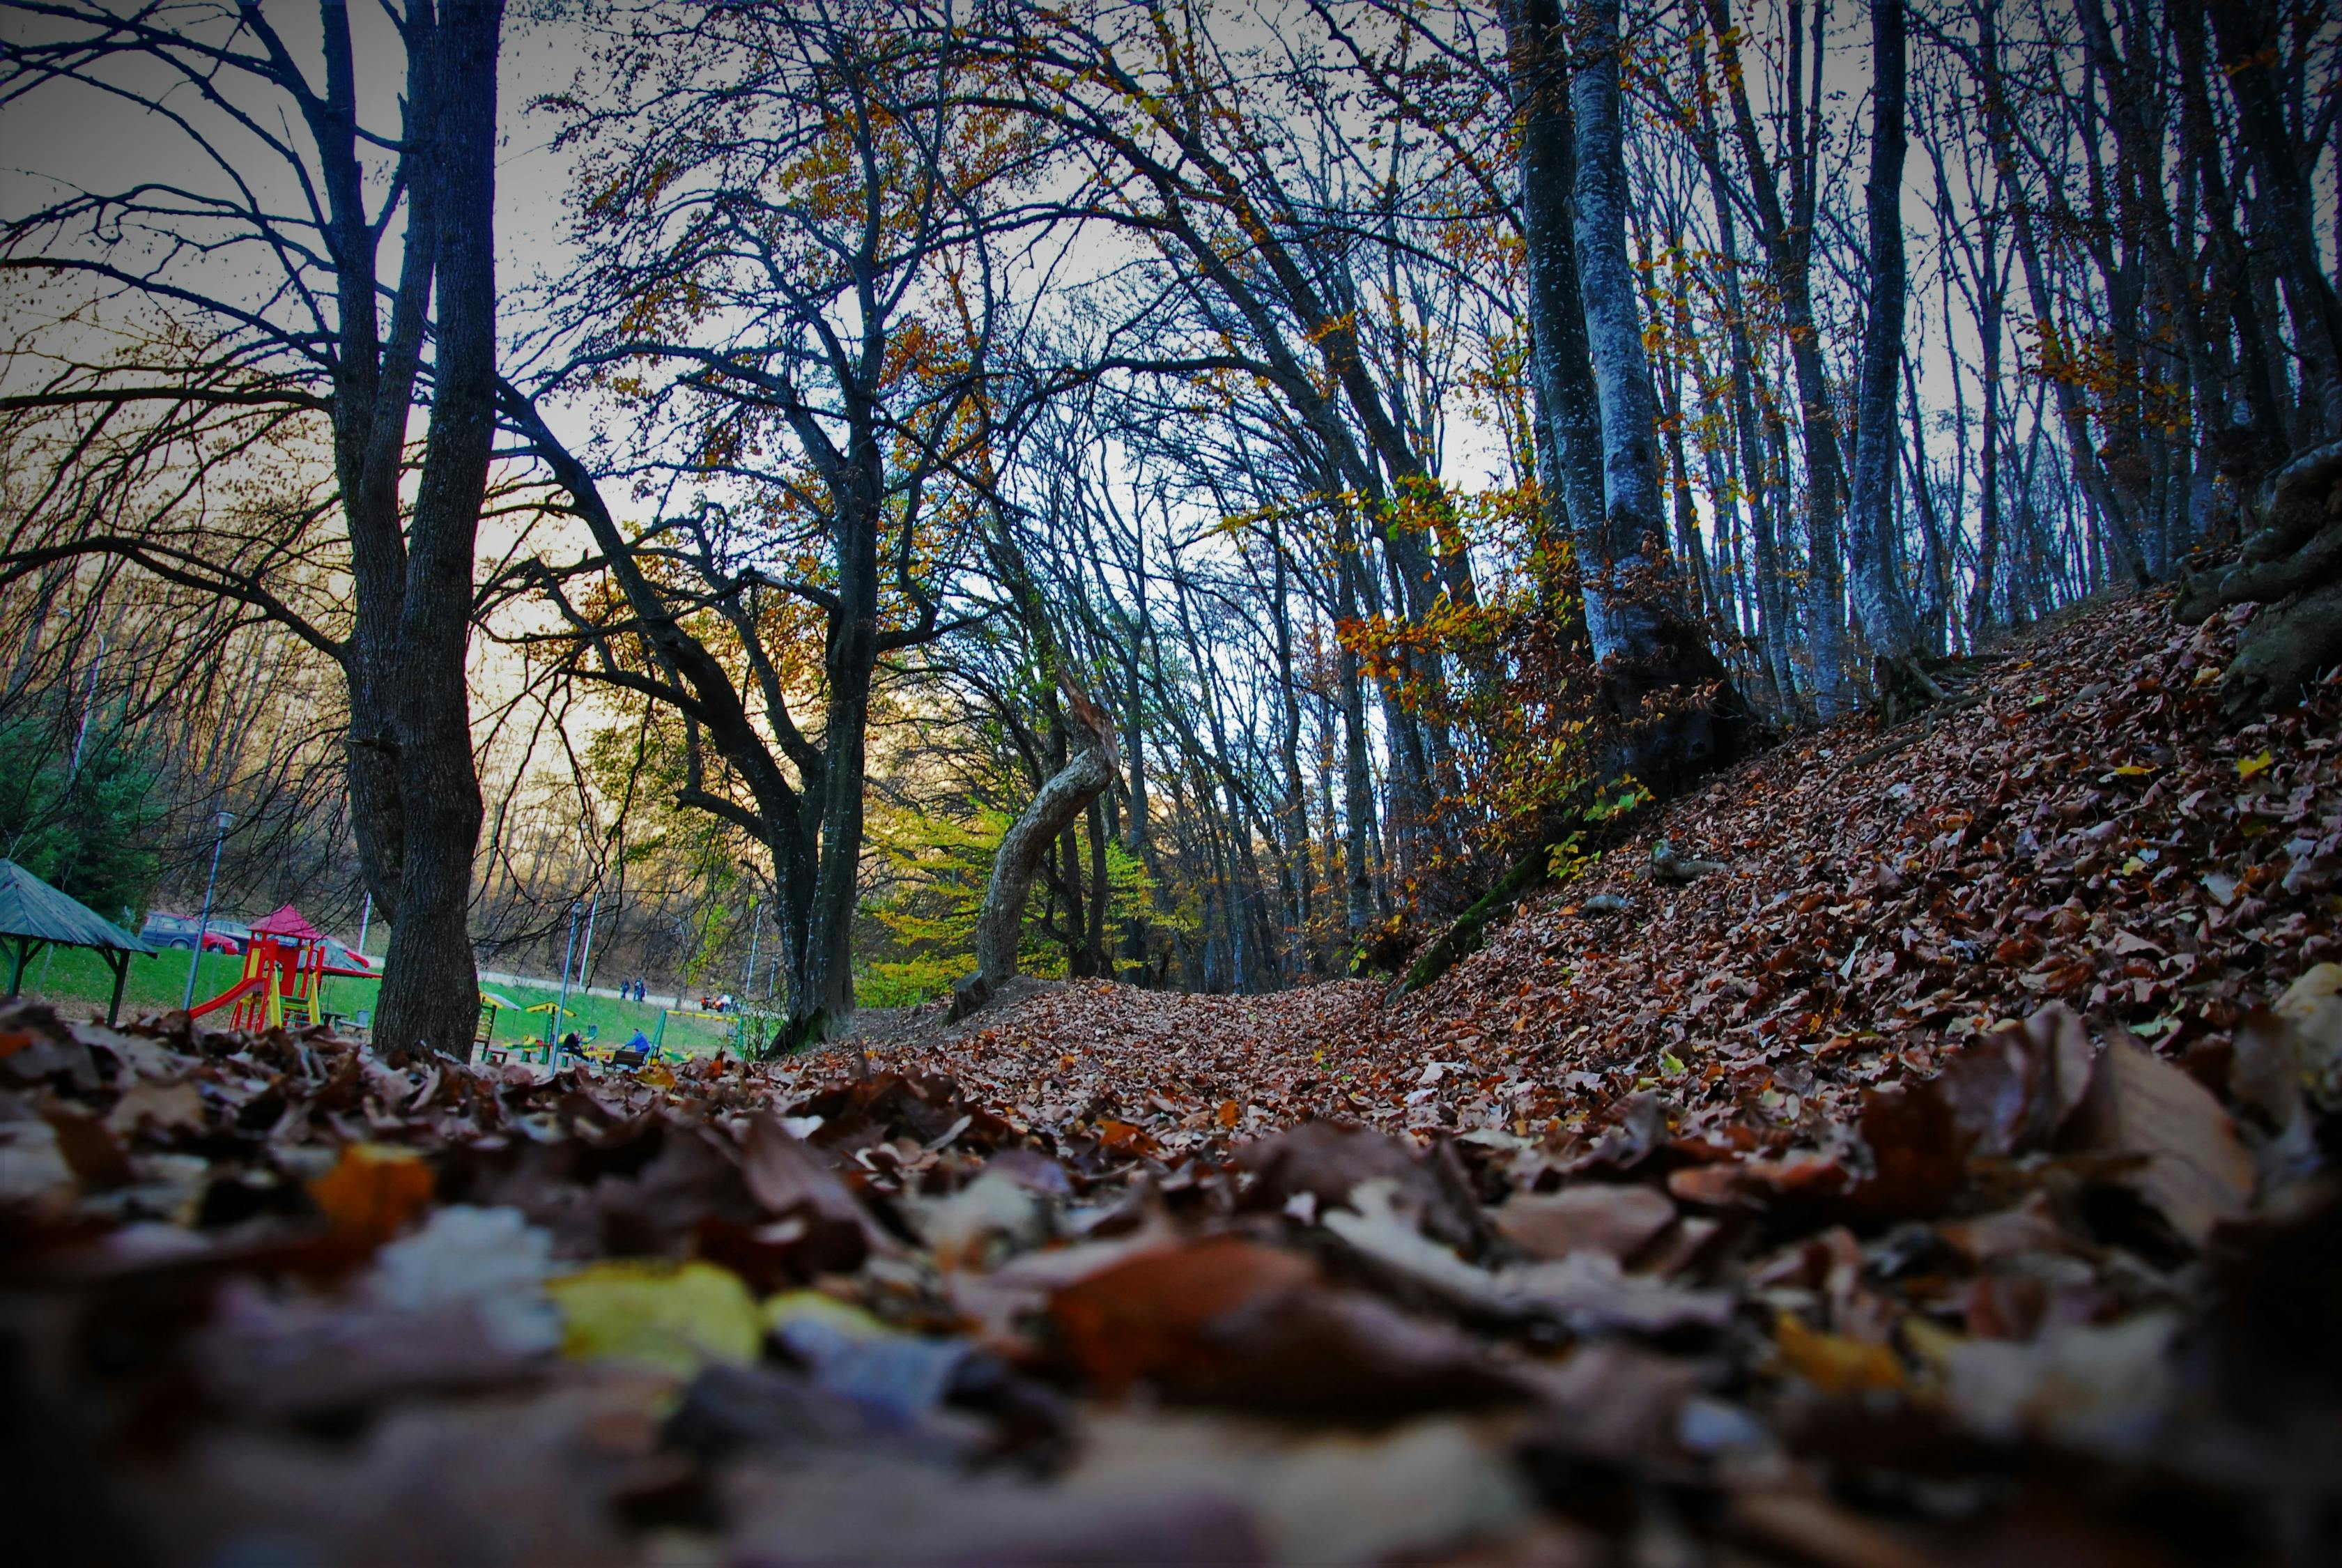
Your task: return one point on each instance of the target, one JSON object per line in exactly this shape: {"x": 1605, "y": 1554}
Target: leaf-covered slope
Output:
{"x": 2084, "y": 827}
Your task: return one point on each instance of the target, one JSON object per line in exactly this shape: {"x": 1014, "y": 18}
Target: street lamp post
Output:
{"x": 585, "y": 958}
{"x": 755, "y": 930}
{"x": 203, "y": 921}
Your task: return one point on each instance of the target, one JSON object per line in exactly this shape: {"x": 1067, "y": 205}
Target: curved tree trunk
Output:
{"x": 1063, "y": 797}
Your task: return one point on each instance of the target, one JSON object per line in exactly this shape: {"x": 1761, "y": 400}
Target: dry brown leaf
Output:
{"x": 372, "y": 1192}
{"x": 1618, "y": 1221}
{"x": 2197, "y": 1174}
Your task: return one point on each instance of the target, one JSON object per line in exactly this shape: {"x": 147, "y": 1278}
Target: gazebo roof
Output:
{"x": 288, "y": 921}
{"x": 30, "y": 907}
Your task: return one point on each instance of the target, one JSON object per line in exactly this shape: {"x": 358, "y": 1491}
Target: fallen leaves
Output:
{"x": 1619, "y": 1222}
{"x": 676, "y": 1318}
{"x": 2197, "y": 1174}
{"x": 372, "y": 1192}
{"x": 1226, "y": 1322}
{"x": 1783, "y": 1213}
{"x": 1838, "y": 1365}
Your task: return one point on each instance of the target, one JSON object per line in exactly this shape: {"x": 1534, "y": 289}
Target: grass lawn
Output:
{"x": 611, "y": 1020}
{"x": 73, "y": 978}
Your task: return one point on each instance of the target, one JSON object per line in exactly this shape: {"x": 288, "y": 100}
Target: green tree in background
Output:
{"x": 935, "y": 869}
{"x": 88, "y": 829}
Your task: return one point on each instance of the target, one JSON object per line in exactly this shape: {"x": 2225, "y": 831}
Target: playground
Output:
{"x": 235, "y": 991}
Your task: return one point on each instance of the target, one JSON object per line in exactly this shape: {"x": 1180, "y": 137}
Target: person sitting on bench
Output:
{"x": 633, "y": 1053}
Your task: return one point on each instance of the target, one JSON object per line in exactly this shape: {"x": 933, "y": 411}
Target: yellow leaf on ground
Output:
{"x": 2253, "y": 766}
{"x": 658, "y": 1075}
{"x": 371, "y": 1192}
{"x": 675, "y": 1318}
{"x": 1230, "y": 1112}
{"x": 1835, "y": 1364}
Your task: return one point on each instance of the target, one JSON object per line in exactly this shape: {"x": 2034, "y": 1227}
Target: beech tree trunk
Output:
{"x": 1879, "y": 598}
{"x": 1676, "y": 714}
{"x": 1632, "y": 516}
{"x": 1786, "y": 236}
{"x": 1088, "y": 770}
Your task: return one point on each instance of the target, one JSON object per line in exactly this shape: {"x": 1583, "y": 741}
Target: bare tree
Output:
{"x": 784, "y": 218}
{"x": 272, "y": 278}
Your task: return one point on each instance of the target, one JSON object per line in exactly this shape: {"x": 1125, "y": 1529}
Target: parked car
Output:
{"x": 179, "y": 931}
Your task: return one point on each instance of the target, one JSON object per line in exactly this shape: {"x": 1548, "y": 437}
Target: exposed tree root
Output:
{"x": 1905, "y": 689}
{"x": 1466, "y": 932}
{"x": 2293, "y": 563}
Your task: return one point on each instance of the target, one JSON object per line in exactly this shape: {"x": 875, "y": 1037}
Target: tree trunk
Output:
{"x": 1569, "y": 401}
{"x": 1357, "y": 781}
{"x": 1100, "y": 962}
{"x": 2251, "y": 53}
{"x": 1000, "y": 924}
{"x": 1771, "y": 602}
{"x": 412, "y": 743}
{"x": 1879, "y": 598}
{"x": 1632, "y": 514}
{"x": 1676, "y": 714}
{"x": 1979, "y": 604}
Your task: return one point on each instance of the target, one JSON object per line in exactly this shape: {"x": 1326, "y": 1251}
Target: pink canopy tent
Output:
{"x": 288, "y": 924}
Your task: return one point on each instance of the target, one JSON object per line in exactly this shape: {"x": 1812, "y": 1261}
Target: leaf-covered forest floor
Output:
{"x": 1943, "y": 1180}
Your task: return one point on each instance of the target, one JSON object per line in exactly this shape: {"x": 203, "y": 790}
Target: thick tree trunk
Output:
{"x": 852, "y": 658}
{"x": 1888, "y": 622}
{"x": 412, "y": 779}
{"x": 1000, "y": 922}
{"x": 1676, "y": 714}
{"x": 1570, "y": 400}
{"x": 1632, "y": 510}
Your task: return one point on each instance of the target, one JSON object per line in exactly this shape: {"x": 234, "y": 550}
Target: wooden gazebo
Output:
{"x": 34, "y": 915}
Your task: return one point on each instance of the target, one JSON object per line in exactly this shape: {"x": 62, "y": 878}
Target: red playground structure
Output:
{"x": 285, "y": 969}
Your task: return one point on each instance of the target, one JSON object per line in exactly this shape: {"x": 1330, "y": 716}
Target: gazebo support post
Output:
{"x": 119, "y": 962}
{"x": 25, "y": 947}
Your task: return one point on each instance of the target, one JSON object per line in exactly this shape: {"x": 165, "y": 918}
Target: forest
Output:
{"x": 1576, "y": 757}
{"x": 1397, "y": 424}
